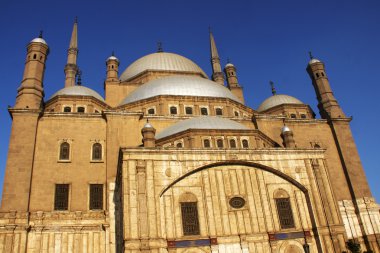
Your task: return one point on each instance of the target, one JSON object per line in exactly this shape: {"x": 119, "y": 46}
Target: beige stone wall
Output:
{"x": 148, "y": 214}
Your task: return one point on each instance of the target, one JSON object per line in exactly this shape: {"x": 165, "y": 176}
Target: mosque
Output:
{"x": 172, "y": 161}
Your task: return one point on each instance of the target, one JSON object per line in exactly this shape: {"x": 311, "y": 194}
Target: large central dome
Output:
{"x": 180, "y": 86}
{"x": 161, "y": 61}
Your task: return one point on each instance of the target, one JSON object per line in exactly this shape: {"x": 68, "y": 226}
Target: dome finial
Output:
{"x": 40, "y": 35}
{"x": 273, "y": 88}
{"x": 159, "y": 47}
{"x": 228, "y": 60}
{"x": 113, "y": 53}
{"x": 76, "y": 20}
{"x": 311, "y": 56}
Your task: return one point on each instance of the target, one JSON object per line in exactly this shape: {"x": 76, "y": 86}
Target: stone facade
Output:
{"x": 181, "y": 171}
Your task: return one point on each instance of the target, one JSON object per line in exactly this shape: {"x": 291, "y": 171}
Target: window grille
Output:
{"x": 285, "y": 213}
{"x": 219, "y": 143}
{"x": 190, "y": 222}
{"x": 96, "y": 196}
{"x": 97, "y": 151}
{"x": 204, "y": 111}
{"x": 218, "y": 111}
{"x": 232, "y": 143}
{"x": 64, "y": 152}
{"x": 189, "y": 110}
{"x": 245, "y": 144}
{"x": 151, "y": 111}
{"x": 173, "y": 110}
{"x": 61, "y": 198}
{"x": 67, "y": 109}
{"x": 80, "y": 109}
{"x": 206, "y": 143}
{"x": 179, "y": 145}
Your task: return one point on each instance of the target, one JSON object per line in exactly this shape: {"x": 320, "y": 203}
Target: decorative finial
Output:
{"x": 228, "y": 60}
{"x": 113, "y": 53}
{"x": 209, "y": 29}
{"x": 79, "y": 76}
{"x": 273, "y": 88}
{"x": 76, "y": 19}
{"x": 159, "y": 47}
{"x": 311, "y": 56}
{"x": 40, "y": 36}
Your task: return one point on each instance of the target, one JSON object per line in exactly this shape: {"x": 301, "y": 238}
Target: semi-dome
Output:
{"x": 203, "y": 122}
{"x": 180, "y": 86}
{"x": 78, "y": 91}
{"x": 161, "y": 61}
{"x": 277, "y": 100}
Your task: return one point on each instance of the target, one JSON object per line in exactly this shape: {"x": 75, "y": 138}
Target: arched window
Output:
{"x": 173, "y": 110}
{"x": 219, "y": 143}
{"x": 218, "y": 111}
{"x": 179, "y": 145}
{"x": 284, "y": 209}
{"x": 293, "y": 115}
{"x": 232, "y": 143}
{"x": 97, "y": 151}
{"x": 245, "y": 143}
{"x": 64, "y": 151}
{"x": 303, "y": 116}
{"x": 204, "y": 111}
{"x": 236, "y": 113}
{"x": 67, "y": 109}
{"x": 80, "y": 109}
{"x": 151, "y": 111}
{"x": 189, "y": 110}
{"x": 189, "y": 211}
{"x": 206, "y": 143}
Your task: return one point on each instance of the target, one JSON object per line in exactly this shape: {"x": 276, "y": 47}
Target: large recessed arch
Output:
{"x": 265, "y": 168}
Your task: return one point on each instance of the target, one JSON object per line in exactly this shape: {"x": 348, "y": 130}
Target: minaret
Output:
{"x": 112, "y": 64}
{"x": 30, "y": 93}
{"x": 148, "y": 132}
{"x": 327, "y": 103}
{"x": 71, "y": 67}
{"x": 25, "y": 117}
{"x": 232, "y": 81}
{"x": 217, "y": 74}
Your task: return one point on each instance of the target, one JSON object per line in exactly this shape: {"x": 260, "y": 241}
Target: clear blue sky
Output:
{"x": 266, "y": 40}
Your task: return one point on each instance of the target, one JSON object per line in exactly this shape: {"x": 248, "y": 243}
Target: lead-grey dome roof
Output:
{"x": 78, "y": 91}
{"x": 203, "y": 122}
{"x": 161, "y": 61}
{"x": 277, "y": 100}
{"x": 180, "y": 86}
{"x": 39, "y": 40}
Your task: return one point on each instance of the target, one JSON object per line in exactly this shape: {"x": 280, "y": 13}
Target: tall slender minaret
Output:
{"x": 217, "y": 74}
{"x": 71, "y": 67}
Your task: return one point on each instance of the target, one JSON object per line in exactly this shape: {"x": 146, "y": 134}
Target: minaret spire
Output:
{"x": 217, "y": 74}
{"x": 71, "y": 67}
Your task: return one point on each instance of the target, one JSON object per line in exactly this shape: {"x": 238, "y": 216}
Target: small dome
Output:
{"x": 277, "y": 100}
{"x": 203, "y": 122}
{"x": 112, "y": 57}
{"x": 39, "y": 40}
{"x": 314, "y": 60}
{"x": 285, "y": 129}
{"x": 78, "y": 91}
{"x": 161, "y": 61}
{"x": 180, "y": 86}
{"x": 229, "y": 65}
{"x": 148, "y": 125}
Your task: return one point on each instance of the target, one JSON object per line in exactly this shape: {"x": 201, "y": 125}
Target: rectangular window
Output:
{"x": 61, "y": 198}
{"x": 285, "y": 213}
{"x": 96, "y": 196}
{"x": 190, "y": 221}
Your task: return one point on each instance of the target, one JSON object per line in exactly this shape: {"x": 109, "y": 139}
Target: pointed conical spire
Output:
{"x": 71, "y": 67}
{"x": 217, "y": 74}
{"x": 74, "y": 35}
